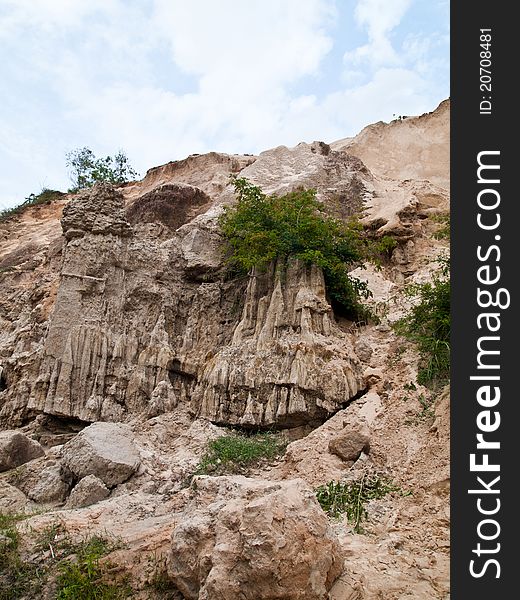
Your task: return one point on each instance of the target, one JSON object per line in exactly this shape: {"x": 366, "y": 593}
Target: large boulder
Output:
{"x": 105, "y": 450}
{"x": 248, "y": 539}
{"x": 17, "y": 449}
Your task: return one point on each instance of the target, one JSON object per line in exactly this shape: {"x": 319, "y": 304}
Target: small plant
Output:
{"x": 444, "y": 225}
{"x": 350, "y": 498}
{"x": 17, "y": 577}
{"x": 46, "y": 196}
{"x": 429, "y": 326}
{"x": 86, "y": 169}
{"x": 83, "y": 578}
{"x": 426, "y": 413}
{"x": 235, "y": 452}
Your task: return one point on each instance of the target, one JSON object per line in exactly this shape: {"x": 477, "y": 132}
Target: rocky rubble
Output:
{"x": 125, "y": 348}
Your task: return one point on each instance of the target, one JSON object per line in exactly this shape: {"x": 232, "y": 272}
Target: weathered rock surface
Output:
{"x": 254, "y": 540}
{"x": 105, "y": 450}
{"x": 41, "y": 481}
{"x": 348, "y": 444}
{"x": 87, "y": 491}
{"x": 17, "y": 449}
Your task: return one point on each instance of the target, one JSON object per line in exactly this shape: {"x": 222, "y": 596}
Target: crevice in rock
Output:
{"x": 3, "y": 382}
{"x": 53, "y": 430}
{"x": 355, "y": 397}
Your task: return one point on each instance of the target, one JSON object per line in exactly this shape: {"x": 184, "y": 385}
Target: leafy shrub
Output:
{"x": 46, "y": 196}
{"x": 86, "y": 169}
{"x": 262, "y": 228}
{"x": 429, "y": 325}
{"x": 235, "y": 452}
{"x": 337, "y": 498}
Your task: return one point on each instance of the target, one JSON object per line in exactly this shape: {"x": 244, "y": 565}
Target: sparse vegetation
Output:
{"x": 235, "y": 452}
{"x": 46, "y": 196}
{"x": 262, "y": 228}
{"x": 26, "y": 570}
{"x": 429, "y": 326}
{"x": 85, "y": 169}
{"x": 337, "y": 498}
{"x": 444, "y": 226}
{"x": 82, "y": 578}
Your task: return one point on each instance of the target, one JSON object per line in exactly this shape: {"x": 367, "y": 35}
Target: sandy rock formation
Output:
{"x": 124, "y": 314}
{"x": 254, "y": 540}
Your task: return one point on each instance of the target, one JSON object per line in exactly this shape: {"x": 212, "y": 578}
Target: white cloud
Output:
{"x": 166, "y": 78}
{"x": 379, "y": 18}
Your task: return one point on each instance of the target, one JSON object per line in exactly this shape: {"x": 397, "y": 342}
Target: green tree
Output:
{"x": 85, "y": 169}
{"x": 262, "y": 228}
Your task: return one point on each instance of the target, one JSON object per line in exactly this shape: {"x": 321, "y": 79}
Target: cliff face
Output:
{"x": 116, "y": 307}
{"x": 143, "y": 318}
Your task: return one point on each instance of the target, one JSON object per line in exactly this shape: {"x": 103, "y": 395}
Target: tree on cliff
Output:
{"x": 85, "y": 169}
{"x": 262, "y": 228}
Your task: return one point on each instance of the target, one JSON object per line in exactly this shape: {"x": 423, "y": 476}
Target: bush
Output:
{"x": 46, "y": 196}
{"x": 337, "y": 498}
{"x": 261, "y": 229}
{"x": 429, "y": 326}
{"x": 86, "y": 169}
{"x": 235, "y": 452}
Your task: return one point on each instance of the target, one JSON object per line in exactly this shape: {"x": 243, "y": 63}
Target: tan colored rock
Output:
{"x": 17, "y": 449}
{"x": 87, "y": 491}
{"x": 349, "y": 444}
{"x": 253, "y": 540}
{"x": 105, "y": 450}
{"x": 41, "y": 481}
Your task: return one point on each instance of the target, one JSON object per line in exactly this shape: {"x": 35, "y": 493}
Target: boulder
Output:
{"x": 105, "y": 450}
{"x": 88, "y": 491}
{"x": 348, "y": 444}
{"x": 45, "y": 486}
{"x": 248, "y": 539}
{"x": 16, "y": 449}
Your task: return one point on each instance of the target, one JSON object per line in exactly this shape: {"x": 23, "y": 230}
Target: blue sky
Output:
{"x": 162, "y": 79}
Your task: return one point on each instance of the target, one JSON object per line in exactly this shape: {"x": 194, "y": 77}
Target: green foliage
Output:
{"x": 235, "y": 452}
{"x": 262, "y": 228}
{"x": 27, "y": 569}
{"x": 46, "y": 196}
{"x": 428, "y": 325}
{"x": 86, "y": 169}
{"x": 82, "y": 579}
{"x": 443, "y": 231}
{"x": 17, "y": 577}
{"x": 337, "y": 498}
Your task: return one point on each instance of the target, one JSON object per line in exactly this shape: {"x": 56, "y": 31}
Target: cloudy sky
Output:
{"x": 162, "y": 79}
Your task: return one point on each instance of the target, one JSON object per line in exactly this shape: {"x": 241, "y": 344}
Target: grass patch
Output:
{"x": 83, "y": 577}
{"x": 235, "y": 452}
{"x": 46, "y": 196}
{"x": 17, "y": 576}
{"x": 428, "y": 325}
{"x": 50, "y": 560}
{"x": 337, "y": 498}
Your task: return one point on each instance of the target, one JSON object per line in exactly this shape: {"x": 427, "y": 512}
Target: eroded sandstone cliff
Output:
{"x": 117, "y": 306}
